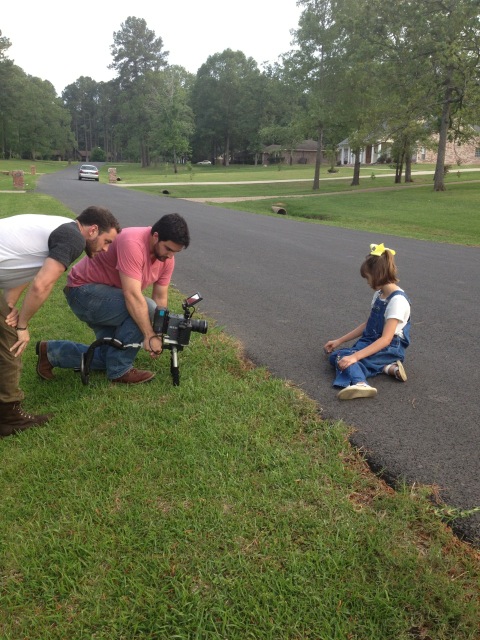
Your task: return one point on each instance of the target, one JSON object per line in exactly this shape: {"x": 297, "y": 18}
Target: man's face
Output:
{"x": 165, "y": 249}
{"x": 98, "y": 242}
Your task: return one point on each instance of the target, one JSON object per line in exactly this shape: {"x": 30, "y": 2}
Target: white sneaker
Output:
{"x": 397, "y": 372}
{"x": 357, "y": 391}
{"x": 401, "y": 373}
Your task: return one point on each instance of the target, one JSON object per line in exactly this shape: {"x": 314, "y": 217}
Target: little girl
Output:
{"x": 383, "y": 338}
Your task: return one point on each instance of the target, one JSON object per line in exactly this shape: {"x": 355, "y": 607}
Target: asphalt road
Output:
{"x": 284, "y": 287}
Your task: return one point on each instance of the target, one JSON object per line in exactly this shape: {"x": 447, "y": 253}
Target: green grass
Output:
{"x": 30, "y": 177}
{"x": 222, "y": 508}
{"x": 449, "y": 216}
{"x": 134, "y": 173}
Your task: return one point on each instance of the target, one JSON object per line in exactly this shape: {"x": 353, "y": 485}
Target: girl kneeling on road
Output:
{"x": 382, "y": 339}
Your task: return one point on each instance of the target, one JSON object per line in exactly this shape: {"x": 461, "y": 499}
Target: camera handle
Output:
{"x": 87, "y": 357}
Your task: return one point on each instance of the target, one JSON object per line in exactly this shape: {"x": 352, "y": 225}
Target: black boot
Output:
{"x": 13, "y": 418}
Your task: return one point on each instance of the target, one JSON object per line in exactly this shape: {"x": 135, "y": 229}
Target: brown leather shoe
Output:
{"x": 44, "y": 368}
{"x": 14, "y": 419}
{"x": 135, "y": 376}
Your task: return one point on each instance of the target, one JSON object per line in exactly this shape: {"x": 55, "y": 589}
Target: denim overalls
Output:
{"x": 372, "y": 365}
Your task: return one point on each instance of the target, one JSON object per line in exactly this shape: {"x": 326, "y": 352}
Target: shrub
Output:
{"x": 98, "y": 155}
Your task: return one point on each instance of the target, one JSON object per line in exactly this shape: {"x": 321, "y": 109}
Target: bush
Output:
{"x": 98, "y": 155}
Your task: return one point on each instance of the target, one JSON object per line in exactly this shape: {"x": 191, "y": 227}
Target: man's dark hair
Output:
{"x": 172, "y": 227}
{"x": 100, "y": 216}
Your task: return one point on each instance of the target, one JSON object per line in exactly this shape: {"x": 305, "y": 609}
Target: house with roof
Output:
{"x": 370, "y": 154}
{"x": 304, "y": 152}
{"x": 456, "y": 153}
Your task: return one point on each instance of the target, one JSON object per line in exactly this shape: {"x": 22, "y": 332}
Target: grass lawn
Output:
{"x": 222, "y": 508}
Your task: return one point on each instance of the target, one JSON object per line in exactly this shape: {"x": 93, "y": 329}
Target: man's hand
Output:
{"x": 19, "y": 347}
{"x": 12, "y": 317}
{"x": 153, "y": 345}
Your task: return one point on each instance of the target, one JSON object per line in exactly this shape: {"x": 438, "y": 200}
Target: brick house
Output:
{"x": 465, "y": 153}
{"x": 305, "y": 152}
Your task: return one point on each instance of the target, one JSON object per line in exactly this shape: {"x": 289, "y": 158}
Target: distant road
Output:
{"x": 283, "y": 287}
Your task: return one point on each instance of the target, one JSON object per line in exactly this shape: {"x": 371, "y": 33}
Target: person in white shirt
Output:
{"x": 382, "y": 339}
{"x": 36, "y": 250}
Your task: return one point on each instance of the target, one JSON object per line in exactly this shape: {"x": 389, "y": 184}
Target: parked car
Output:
{"x": 88, "y": 172}
{"x": 204, "y": 162}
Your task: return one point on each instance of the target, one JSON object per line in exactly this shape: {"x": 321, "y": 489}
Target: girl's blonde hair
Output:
{"x": 381, "y": 269}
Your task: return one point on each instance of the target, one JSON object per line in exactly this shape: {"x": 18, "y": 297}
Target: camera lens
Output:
{"x": 201, "y": 326}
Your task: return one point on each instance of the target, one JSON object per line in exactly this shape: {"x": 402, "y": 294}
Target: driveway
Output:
{"x": 283, "y": 287}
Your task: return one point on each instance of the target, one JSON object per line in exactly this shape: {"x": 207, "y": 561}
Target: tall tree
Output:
{"x": 172, "y": 116}
{"x": 136, "y": 50}
{"x": 226, "y": 102}
{"x": 82, "y": 100}
{"x": 319, "y": 65}
{"x": 137, "y": 56}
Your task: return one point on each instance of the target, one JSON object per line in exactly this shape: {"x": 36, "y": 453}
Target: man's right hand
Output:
{"x": 23, "y": 338}
{"x": 154, "y": 345}
{"x": 12, "y": 317}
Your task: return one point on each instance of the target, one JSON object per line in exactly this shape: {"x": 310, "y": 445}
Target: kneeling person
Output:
{"x": 107, "y": 294}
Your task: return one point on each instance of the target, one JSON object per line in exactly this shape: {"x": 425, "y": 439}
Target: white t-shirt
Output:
{"x": 25, "y": 242}
{"x": 398, "y": 308}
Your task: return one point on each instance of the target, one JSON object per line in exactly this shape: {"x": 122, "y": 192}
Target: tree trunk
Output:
{"x": 318, "y": 160}
{"x": 226, "y": 159}
{"x": 143, "y": 154}
{"x": 408, "y": 165}
{"x": 439, "y": 177}
{"x": 399, "y": 169}
{"x": 356, "y": 169}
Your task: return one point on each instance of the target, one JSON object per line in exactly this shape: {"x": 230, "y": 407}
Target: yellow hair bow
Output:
{"x": 379, "y": 250}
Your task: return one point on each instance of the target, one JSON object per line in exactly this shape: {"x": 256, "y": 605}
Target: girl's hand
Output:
{"x": 330, "y": 346}
{"x": 346, "y": 361}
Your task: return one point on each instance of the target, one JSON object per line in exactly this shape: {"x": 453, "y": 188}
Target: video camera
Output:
{"x": 174, "y": 329}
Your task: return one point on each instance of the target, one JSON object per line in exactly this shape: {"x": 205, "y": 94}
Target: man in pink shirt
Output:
{"x": 107, "y": 294}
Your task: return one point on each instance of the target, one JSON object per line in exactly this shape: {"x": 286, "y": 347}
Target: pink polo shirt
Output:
{"x": 129, "y": 253}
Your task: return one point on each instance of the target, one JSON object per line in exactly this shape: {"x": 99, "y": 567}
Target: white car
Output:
{"x": 88, "y": 172}
{"x": 204, "y": 162}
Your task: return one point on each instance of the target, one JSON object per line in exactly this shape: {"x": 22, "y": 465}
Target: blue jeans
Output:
{"x": 103, "y": 308}
{"x": 372, "y": 365}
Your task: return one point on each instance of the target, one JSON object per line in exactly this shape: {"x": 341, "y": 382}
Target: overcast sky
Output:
{"x": 60, "y": 41}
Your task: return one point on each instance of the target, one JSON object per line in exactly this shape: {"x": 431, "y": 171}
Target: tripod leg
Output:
{"x": 84, "y": 369}
{"x": 174, "y": 370}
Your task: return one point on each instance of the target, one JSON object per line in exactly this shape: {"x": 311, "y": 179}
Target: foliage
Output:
{"x": 98, "y": 155}
{"x": 226, "y": 100}
{"x": 136, "y": 50}
{"x": 172, "y": 117}
{"x": 364, "y": 70}
{"x": 33, "y": 122}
